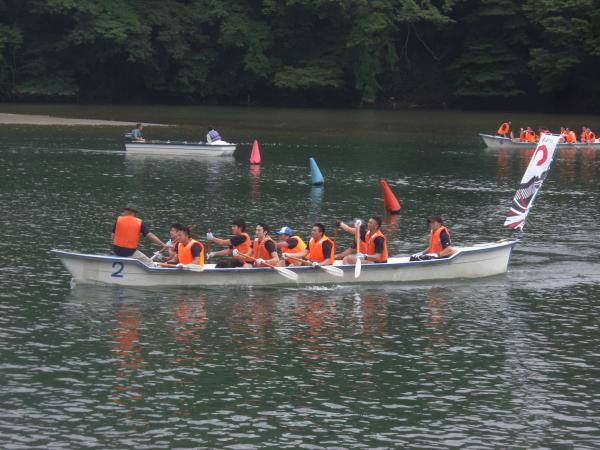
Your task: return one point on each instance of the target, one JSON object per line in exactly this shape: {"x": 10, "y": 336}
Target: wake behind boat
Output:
{"x": 498, "y": 142}
{"x": 468, "y": 262}
{"x": 180, "y": 148}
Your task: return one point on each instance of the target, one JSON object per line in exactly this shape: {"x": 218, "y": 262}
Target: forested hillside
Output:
{"x": 528, "y": 54}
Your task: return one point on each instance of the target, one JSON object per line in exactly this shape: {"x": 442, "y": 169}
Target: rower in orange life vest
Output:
{"x": 376, "y": 245}
{"x": 439, "y": 242}
{"x": 351, "y": 230}
{"x": 290, "y": 245}
{"x": 126, "y": 235}
{"x": 189, "y": 251}
{"x": 529, "y": 135}
{"x": 239, "y": 241}
{"x": 504, "y": 129}
{"x": 588, "y": 136}
{"x": 263, "y": 248}
{"x": 321, "y": 249}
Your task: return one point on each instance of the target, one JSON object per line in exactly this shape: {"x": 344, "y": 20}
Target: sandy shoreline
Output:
{"x": 30, "y": 119}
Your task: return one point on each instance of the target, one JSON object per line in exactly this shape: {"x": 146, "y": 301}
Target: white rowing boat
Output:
{"x": 496, "y": 142}
{"x": 180, "y": 148}
{"x": 477, "y": 261}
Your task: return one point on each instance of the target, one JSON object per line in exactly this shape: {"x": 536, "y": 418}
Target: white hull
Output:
{"x": 470, "y": 262}
{"x": 167, "y": 148}
{"x": 501, "y": 142}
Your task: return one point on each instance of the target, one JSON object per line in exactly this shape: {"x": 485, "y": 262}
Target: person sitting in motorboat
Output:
{"x": 239, "y": 242}
{"x": 189, "y": 250}
{"x": 504, "y": 129}
{"x": 375, "y": 250}
{"x": 291, "y": 245}
{"x": 126, "y": 235}
{"x": 563, "y": 135}
{"x": 530, "y": 135}
{"x": 351, "y": 230}
{"x": 264, "y": 251}
{"x": 136, "y": 134}
{"x": 590, "y": 137}
{"x": 213, "y": 137}
{"x": 440, "y": 245}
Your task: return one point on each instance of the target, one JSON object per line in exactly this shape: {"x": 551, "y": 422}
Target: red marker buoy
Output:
{"x": 390, "y": 202}
{"x": 255, "y": 155}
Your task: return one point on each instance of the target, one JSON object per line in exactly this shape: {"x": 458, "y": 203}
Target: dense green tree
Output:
{"x": 352, "y": 52}
{"x": 565, "y": 57}
{"x": 492, "y": 61}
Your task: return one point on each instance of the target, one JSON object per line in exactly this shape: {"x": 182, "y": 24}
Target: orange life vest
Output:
{"x": 504, "y": 128}
{"x": 243, "y": 248}
{"x": 315, "y": 252}
{"x": 584, "y": 136}
{"x": 571, "y": 137}
{"x": 127, "y": 232}
{"x": 362, "y": 245}
{"x": 299, "y": 248}
{"x": 530, "y": 136}
{"x": 522, "y": 135}
{"x": 371, "y": 245}
{"x": 184, "y": 252}
{"x": 591, "y": 137}
{"x": 435, "y": 243}
{"x": 259, "y": 250}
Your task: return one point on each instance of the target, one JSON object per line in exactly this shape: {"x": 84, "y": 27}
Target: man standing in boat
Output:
{"x": 439, "y": 241}
{"x": 375, "y": 246}
{"x": 126, "y": 235}
{"x": 264, "y": 251}
{"x": 240, "y": 241}
{"x": 212, "y": 136}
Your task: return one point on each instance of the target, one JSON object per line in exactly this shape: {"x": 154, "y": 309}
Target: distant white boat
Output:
{"x": 477, "y": 261}
{"x": 492, "y": 141}
{"x": 180, "y": 148}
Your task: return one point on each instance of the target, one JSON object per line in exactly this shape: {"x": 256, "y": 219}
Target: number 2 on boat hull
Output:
{"x": 120, "y": 267}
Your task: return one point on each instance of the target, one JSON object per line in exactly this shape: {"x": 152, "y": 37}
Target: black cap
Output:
{"x": 437, "y": 219}
{"x": 131, "y": 207}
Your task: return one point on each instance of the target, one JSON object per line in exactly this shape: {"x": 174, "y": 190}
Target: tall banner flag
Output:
{"x": 532, "y": 181}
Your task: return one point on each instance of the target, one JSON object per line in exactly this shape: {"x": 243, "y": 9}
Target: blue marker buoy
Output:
{"x": 315, "y": 173}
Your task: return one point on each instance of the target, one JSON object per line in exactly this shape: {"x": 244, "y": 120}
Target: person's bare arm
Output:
{"x": 155, "y": 239}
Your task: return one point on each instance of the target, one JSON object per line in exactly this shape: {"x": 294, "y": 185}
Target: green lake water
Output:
{"x": 511, "y": 361}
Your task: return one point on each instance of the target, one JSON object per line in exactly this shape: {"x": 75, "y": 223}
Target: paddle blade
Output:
{"x": 286, "y": 273}
{"x": 357, "y": 268}
{"x": 335, "y": 271}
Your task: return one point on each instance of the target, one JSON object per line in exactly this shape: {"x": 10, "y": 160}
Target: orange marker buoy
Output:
{"x": 255, "y": 155}
{"x": 390, "y": 202}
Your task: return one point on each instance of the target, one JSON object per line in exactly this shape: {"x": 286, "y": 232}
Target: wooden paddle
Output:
{"x": 280, "y": 270}
{"x": 335, "y": 271}
{"x": 357, "y": 267}
{"x": 190, "y": 267}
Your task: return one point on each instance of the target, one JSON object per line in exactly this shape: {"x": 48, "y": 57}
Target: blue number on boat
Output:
{"x": 120, "y": 267}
